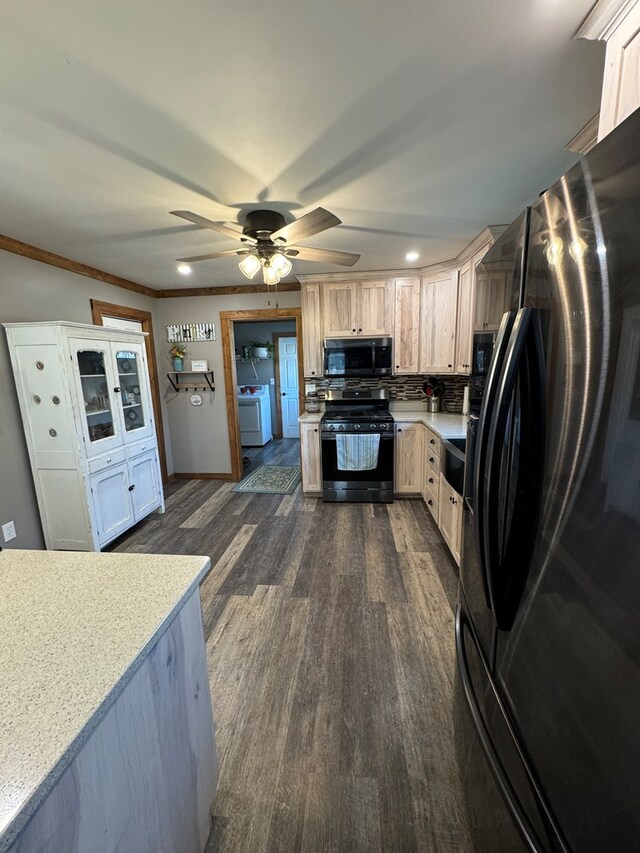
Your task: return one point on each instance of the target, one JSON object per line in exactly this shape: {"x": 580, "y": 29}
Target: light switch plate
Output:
{"x": 9, "y": 531}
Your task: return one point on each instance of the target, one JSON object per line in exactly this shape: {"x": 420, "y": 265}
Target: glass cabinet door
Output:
{"x": 132, "y": 382}
{"x": 95, "y": 382}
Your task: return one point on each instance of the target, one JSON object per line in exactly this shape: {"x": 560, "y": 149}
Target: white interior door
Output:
{"x": 288, "y": 364}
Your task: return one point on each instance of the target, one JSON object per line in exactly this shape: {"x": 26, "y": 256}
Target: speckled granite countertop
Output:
{"x": 447, "y": 426}
{"x": 74, "y": 628}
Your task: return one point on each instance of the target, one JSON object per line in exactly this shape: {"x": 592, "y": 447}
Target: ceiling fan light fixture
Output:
{"x": 281, "y": 264}
{"x": 249, "y": 265}
{"x": 184, "y": 269}
{"x": 270, "y": 274}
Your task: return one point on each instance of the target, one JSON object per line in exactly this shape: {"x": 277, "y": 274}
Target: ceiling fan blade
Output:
{"x": 214, "y": 226}
{"x": 307, "y": 253}
{"x": 212, "y": 256}
{"x": 311, "y": 223}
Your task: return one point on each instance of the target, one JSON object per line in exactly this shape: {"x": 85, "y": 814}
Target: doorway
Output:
{"x": 123, "y": 317}
{"x": 278, "y": 373}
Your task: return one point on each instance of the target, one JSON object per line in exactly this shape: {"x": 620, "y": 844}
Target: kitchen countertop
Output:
{"x": 310, "y": 418}
{"x": 74, "y": 628}
{"x": 446, "y": 426}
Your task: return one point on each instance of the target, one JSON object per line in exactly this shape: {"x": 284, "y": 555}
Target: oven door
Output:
{"x": 374, "y": 485}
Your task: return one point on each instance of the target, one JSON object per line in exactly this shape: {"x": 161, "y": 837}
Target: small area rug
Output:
{"x": 271, "y": 480}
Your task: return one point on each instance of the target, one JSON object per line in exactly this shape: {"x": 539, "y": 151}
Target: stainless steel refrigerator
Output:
{"x": 548, "y": 622}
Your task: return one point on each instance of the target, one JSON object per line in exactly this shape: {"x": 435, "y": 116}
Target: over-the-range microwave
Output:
{"x": 357, "y": 356}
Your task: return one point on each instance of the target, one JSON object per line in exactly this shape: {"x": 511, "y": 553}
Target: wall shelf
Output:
{"x": 190, "y": 384}
{"x": 241, "y": 360}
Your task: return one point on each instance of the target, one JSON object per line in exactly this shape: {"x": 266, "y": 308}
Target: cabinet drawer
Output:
{"x": 433, "y": 443}
{"x": 100, "y": 463}
{"x": 432, "y": 480}
{"x": 141, "y": 447}
{"x": 433, "y": 467}
{"x": 431, "y": 500}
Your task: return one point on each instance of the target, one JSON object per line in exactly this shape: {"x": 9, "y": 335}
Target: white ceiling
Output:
{"x": 417, "y": 122}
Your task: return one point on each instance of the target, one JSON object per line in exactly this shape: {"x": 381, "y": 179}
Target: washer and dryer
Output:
{"x": 255, "y": 415}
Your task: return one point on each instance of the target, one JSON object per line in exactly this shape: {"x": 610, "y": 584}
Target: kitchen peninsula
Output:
{"x": 106, "y": 728}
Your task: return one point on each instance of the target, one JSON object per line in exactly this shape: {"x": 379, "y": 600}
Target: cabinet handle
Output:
{"x": 116, "y": 390}
{"x": 397, "y": 367}
{"x": 449, "y": 365}
{"x": 353, "y": 330}
{"x": 108, "y": 460}
{"x": 359, "y": 330}
{"x": 431, "y": 459}
{"x": 430, "y": 502}
{"x": 315, "y": 429}
{"x": 454, "y": 501}
{"x": 131, "y": 488}
{"x": 399, "y": 429}
{"x": 432, "y": 441}
{"x": 431, "y": 479}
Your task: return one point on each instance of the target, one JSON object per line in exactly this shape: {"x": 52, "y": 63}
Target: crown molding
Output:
{"x": 26, "y": 250}
{"x": 604, "y": 19}
{"x": 585, "y": 138}
{"x": 227, "y": 290}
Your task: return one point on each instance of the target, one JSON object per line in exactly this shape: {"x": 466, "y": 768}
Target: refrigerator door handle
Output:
{"x": 525, "y": 342}
{"x": 497, "y": 361}
{"x": 506, "y": 788}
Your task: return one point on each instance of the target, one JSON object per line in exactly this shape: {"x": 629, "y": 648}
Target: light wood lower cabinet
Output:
{"x": 450, "y": 517}
{"x": 311, "y": 457}
{"x": 409, "y": 458}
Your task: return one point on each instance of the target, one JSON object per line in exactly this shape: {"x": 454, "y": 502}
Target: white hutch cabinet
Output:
{"x": 86, "y": 408}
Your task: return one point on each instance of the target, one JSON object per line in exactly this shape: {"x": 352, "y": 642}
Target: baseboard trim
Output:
{"x": 195, "y": 475}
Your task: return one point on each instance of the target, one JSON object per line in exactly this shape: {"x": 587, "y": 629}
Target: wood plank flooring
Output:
{"x": 330, "y": 649}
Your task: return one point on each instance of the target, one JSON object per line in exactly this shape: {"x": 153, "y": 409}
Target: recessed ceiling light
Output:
{"x": 184, "y": 269}
{"x": 412, "y": 256}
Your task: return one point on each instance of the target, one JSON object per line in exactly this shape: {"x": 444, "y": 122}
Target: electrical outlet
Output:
{"x": 9, "y": 531}
{"x": 272, "y": 381}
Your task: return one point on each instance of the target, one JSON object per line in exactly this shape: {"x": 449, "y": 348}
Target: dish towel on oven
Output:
{"x": 357, "y": 452}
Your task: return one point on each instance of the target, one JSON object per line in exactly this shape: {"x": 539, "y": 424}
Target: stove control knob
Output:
{"x": 373, "y": 426}
{"x": 383, "y": 426}
{"x": 341, "y": 427}
{"x": 356, "y": 426}
{"x": 331, "y": 427}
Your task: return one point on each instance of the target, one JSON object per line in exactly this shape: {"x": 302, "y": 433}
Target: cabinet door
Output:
{"x": 133, "y": 384}
{"x": 438, "y": 323}
{"x": 311, "y": 330}
{"x": 409, "y": 458}
{"x": 311, "y": 454}
{"x": 406, "y": 334}
{"x": 113, "y": 510}
{"x": 339, "y": 308}
{"x": 450, "y": 518}
{"x": 621, "y": 80}
{"x": 143, "y": 474}
{"x": 464, "y": 326}
{"x": 95, "y": 381}
{"x": 375, "y": 312}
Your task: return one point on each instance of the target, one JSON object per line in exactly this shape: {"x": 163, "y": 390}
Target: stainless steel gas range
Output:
{"x": 357, "y": 446}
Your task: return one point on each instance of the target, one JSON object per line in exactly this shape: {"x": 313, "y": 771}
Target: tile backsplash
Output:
{"x": 404, "y": 388}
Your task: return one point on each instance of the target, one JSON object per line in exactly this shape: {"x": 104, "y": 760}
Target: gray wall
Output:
{"x": 246, "y": 333}
{"x": 200, "y": 435}
{"x": 32, "y": 291}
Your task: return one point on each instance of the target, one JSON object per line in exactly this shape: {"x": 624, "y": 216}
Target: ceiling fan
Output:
{"x": 271, "y": 244}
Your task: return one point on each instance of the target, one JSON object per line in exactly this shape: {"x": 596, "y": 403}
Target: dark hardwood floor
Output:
{"x": 330, "y": 645}
{"x": 279, "y": 451}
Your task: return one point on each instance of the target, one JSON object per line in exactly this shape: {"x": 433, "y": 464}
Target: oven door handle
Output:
{"x": 331, "y": 436}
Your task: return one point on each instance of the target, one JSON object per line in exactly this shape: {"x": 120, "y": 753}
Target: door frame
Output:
{"x": 227, "y": 335}
{"x": 276, "y": 366}
{"x": 123, "y": 312}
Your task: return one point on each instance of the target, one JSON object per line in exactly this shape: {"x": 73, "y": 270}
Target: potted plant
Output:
{"x": 177, "y": 354}
{"x": 261, "y": 350}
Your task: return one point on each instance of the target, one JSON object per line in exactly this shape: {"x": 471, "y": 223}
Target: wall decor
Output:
{"x": 194, "y": 332}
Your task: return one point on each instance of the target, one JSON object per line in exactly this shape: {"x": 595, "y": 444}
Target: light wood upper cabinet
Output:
{"x": 464, "y": 325}
{"x": 491, "y": 299}
{"x": 610, "y": 21}
{"x": 374, "y": 312}
{"x": 357, "y": 308}
{"x": 438, "y": 315}
{"x": 409, "y": 458}
{"x": 406, "y": 333}
{"x": 311, "y": 330}
{"x": 340, "y": 306}
{"x": 311, "y": 457}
